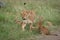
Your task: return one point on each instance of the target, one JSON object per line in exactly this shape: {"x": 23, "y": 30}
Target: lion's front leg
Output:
{"x": 31, "y": 26}
{"x": 23, "y": 26}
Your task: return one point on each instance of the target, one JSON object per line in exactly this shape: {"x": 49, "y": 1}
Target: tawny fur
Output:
{"x": 49, "y": 23}
{"x": 18, "y": 22}
{"x": 28, "y": 16}
{"x": 43, "y": 29}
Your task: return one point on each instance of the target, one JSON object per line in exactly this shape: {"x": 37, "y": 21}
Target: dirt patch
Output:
{"x": 46, "y": 37}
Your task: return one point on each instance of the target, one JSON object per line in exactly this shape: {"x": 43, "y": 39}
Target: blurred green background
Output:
{"x": 9, "y": 30}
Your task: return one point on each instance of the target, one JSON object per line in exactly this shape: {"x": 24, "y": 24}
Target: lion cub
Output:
{"x": 28, "y": 17}
{"x": 43, "y": 29}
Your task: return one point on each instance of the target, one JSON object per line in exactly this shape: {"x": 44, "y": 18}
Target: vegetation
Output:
{"x": 9, "y": 30}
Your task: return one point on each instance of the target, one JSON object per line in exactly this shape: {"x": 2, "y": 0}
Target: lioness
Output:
{"x": 28, "y": 17}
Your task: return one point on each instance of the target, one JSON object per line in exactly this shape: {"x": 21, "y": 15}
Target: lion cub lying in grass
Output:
{"x": 42, "y": 28}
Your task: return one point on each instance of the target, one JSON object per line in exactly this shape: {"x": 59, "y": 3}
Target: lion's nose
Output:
{"x": 24, "y": 18}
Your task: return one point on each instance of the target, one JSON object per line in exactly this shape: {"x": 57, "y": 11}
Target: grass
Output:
{"x": 9, "y": 30}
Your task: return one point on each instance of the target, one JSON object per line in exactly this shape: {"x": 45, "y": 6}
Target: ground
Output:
{"x": 46, "y": 37}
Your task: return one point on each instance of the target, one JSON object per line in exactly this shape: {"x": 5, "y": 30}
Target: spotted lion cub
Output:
{"x": 28, "y": 17}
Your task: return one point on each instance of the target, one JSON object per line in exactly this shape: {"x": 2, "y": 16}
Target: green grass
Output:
{"x": 9, "y": 30}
